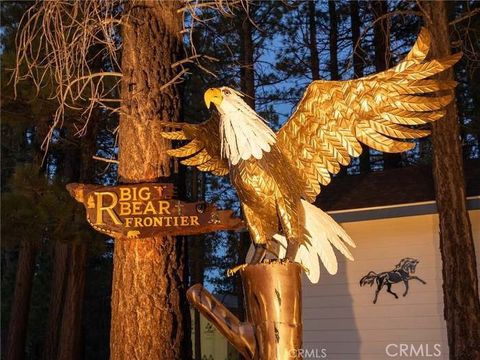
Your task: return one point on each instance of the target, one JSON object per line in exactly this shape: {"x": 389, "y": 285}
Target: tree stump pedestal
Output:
{"x": 273, "y": 300}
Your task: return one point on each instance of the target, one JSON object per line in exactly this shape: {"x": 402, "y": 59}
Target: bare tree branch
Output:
{"x": 70, "y": 48}
{"x": 112, "y": 161}
{"x": 380, "y": 18}
{"x": 468, "y": 15}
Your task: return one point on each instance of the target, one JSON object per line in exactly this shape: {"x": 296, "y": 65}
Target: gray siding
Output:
{"x": 339, "y": 315}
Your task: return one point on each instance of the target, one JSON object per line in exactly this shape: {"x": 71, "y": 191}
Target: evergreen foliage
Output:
{"x": 36, "y": 207}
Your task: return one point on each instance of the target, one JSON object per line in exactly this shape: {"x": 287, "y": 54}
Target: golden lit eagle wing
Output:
{"x": 334, "y": 117}
{"x": 203, "y": 149}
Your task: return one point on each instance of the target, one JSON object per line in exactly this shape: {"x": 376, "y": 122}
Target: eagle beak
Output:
{"x": 213, "y": 95}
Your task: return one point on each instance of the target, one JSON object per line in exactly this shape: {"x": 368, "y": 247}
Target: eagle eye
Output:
{"x": 226, "y": 92}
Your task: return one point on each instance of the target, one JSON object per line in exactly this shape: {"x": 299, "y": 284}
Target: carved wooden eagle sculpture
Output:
{"x": 278, "y": 175}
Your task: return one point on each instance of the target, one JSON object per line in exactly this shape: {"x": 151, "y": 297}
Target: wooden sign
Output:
{"x": 145, "y": 210}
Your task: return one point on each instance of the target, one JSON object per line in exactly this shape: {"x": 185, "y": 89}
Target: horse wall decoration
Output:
{"x": 402, "y": 272}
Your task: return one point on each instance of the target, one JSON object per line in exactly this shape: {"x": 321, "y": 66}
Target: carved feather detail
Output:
{"x": 333, "y": 116}
{"x": 191, "y": 148}
{"x": 275, "y": 173}
{"x": 203, "y": 147}
{"x": 174, "y": 135}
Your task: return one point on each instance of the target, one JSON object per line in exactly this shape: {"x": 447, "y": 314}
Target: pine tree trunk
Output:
{"x": 17, "y": 327}
{"x": 312, "y": 41}
{"x": 247, "y": 84}
{"x": 149, "y": 314}
{"x": 64, "y": 327}
{"x": 333, "y": 49}
{"x": 358, "y": 53}
{"x": 247, "y": 73}
{"x": 197, "y": 254}
{"x": 358, "y": 72}
{"x": 70, "y": 339}
{"x": 55, "y": 306}
{"x": 64, "y": 336}
{"x": 381, "y": 35}
{"x": 197, "y": 278}
{"x": 9, "y": 271}
{"x": 333, "y": 41}
{"x": 460, "y": 284}
{"x": 381, "y": 40}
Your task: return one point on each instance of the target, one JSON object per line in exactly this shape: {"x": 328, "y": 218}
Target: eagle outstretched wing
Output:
{"x": 203, "y": 147}
{"x": 326, "y": 130}
{"x": 334, "y": 117}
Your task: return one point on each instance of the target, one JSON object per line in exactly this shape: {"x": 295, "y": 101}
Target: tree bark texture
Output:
{"x": 151, "y": 44}
{"x": 55, "y": 306}
{"x": 198, "y": 277}
{"x": 63, "y": 339}
{"x": 149, "y": 314}
{"x": 70, "y": 339}
{"x": 17, "y": 327}
{"x": 381, "y": 40}
{"x": 273, "y": 328}
{"x": 247, "y": 71}
{"x": 64, "y": 327}
{"x": 381, "y": 35}
{"x": 333, "y": 50}
{"x": 460, "y": 285}
{"x": 358, "y": 56}
{"x": 333, "y": 41}
{"x": 312, "y": 40}
{"x": 197, "y": 254}
{"x": 247, "y": 84}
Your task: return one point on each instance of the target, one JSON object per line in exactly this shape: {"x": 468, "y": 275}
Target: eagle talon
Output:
{"x": 233, "y": 271}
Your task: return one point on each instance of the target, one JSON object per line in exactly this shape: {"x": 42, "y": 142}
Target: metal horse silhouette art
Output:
{"x": 401, "y": 272}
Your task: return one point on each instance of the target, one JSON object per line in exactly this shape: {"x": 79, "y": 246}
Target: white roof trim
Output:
{"x": 398, "y": 210}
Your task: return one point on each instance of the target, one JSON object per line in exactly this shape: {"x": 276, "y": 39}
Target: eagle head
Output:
{"x": 244, "y": 133}
{"x": 224, "y": 98}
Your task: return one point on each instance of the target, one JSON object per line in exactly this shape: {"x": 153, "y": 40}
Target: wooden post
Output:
{"x": 273, "y": 299}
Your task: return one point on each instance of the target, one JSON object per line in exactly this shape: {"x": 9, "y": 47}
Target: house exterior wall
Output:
{"x": 340, "y": 320}
{"x": 213, "y": 345}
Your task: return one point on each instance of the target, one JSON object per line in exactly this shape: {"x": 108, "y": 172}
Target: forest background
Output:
{"x": 269, "y": 50}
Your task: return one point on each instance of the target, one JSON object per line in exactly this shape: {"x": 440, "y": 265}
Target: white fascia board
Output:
{"x": 391, "y": 211}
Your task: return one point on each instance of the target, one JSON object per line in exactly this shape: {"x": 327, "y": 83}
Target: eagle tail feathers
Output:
{"x": 322, "y": 235}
